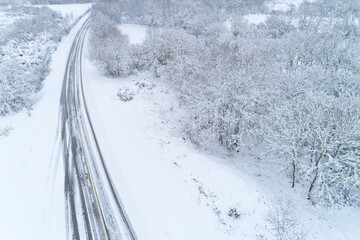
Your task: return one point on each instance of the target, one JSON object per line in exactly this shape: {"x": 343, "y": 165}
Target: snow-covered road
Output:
{"x": 93, "y": 207}
{"x": 31, "y": 172}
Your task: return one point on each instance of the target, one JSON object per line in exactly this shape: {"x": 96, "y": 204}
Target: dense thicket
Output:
{"x": 290, "y": 85}
{"x": 109, "y": 48}
{"x": 25, "y": 53}
{"x": 42, "y": 2}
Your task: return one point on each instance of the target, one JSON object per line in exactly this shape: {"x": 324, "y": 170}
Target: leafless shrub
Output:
{"x": 5, "y": 131}
{"x": 284, "y": 222}
{"x": 125, "y": 94}
{"x": 234, "y": 213}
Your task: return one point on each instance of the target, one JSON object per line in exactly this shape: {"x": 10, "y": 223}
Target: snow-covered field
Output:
{"x": 70, "y": 10}
{"x": 136, "y": 33}
{"x": 283, "y": 5}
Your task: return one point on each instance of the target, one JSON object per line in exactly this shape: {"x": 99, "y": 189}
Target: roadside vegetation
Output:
{"x": 288, "y": 86}
{"x": 26, "y": 46}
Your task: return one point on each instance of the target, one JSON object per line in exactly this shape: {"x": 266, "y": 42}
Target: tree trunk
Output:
{"x": 313, "y": 184}
{"x": 294, "y": 156}
{"x": 293, "y": 173}
{"x": 316, "y": 175}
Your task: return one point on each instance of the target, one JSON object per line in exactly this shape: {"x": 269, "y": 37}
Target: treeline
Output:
{"x": 42, "y": 2}
{"x": 25, "y": 53}
{"x": 290, "y": 85}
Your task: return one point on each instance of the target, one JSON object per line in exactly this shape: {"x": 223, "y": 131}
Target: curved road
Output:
{"x": 93, "y": 207}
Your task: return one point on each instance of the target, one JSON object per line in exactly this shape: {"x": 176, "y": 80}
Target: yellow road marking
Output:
{"x": 88, "y": 167}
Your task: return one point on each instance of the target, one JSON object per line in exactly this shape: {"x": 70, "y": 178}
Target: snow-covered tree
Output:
{"x": 25, "y": 54}
{"x": 290, "y": 84}
{"x": 108, "y": 46}
{"x": 335, "y": 160}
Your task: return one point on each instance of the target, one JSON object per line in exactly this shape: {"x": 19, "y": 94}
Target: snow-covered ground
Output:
{"x": 70, "y": 10}
{"x": 172, "y": 190}
{"x": 321, "y": 223}
{"x": 136, "y": 33}
{"x": 284, "y": 5}
{"x": 31, "y": 176}
{"x": 256, "y": 18}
